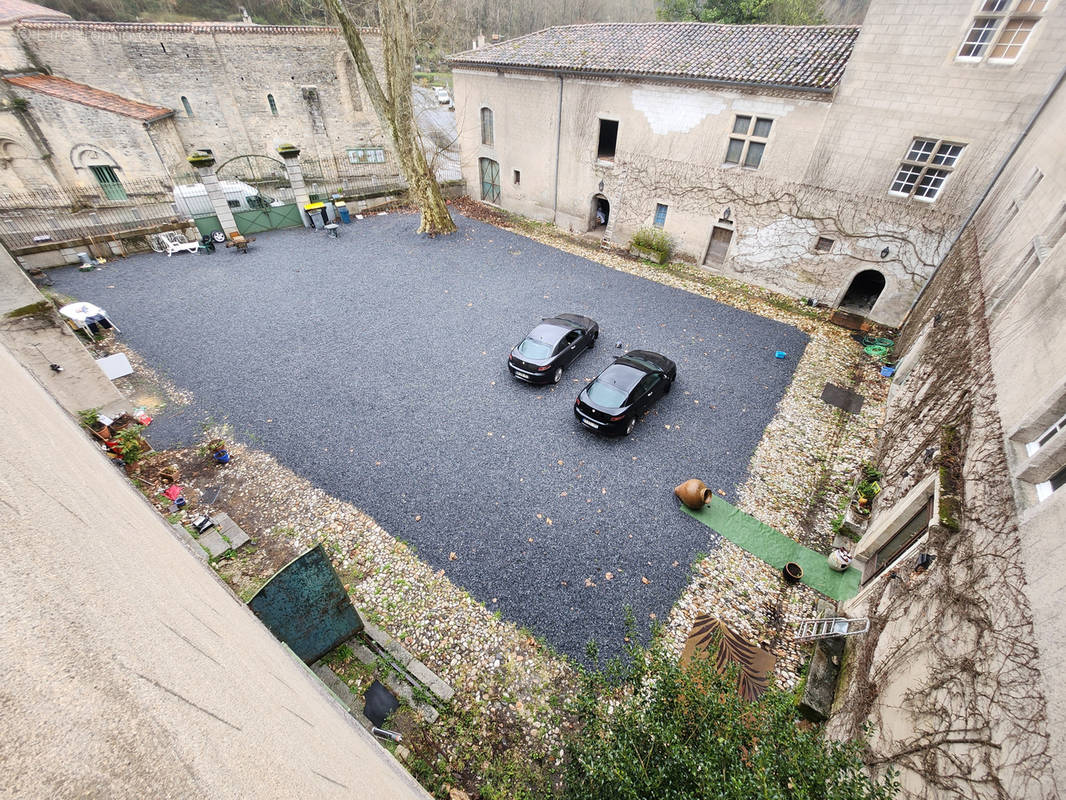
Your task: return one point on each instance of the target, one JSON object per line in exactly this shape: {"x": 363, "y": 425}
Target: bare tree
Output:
{"x": 394, "y": 105}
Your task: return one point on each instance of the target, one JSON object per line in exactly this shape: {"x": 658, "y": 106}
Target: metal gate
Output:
{"x": 267, "y": 219}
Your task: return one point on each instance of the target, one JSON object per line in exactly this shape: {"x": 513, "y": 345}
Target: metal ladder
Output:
{"x": 828, "y": 627}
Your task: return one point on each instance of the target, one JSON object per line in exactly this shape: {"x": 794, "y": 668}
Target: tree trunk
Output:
{"x": 395, "y": 109}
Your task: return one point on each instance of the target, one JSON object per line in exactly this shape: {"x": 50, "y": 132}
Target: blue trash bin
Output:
{"x": 342, "y": 211}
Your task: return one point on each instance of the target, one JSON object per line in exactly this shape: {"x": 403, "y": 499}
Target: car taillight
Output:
{"x": 545, "y": 368}
{"x": 615, "y": 419}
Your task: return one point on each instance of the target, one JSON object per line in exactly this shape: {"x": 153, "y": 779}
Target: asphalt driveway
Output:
{"x": 374, "y": 365}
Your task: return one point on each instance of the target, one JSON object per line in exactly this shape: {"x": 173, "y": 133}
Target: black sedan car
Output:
{"x": 624, "y": 391}
{"x": 551, "y": 346}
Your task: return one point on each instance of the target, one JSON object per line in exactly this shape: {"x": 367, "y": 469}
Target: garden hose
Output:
{"x": 877, "y": 341}
{"x": 877, "y": 351}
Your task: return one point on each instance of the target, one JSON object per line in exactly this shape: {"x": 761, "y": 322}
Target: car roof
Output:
{"x": 646, "y": 360}
{"x": 549, "y": 332}
{"x": 621, "y": 376}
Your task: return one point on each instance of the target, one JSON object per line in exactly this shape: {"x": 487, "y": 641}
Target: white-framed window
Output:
{"x": 1046, "y": 436}
{"x": 925, "y": 168}
{"x": 366, "y": 155}
{"x": 823, "y": 244}
{"x": 1051, "y": 485}
{"x": 1000, "y": 30}
{"x": 660, "y": 215}
{"x": 747, "y": 142}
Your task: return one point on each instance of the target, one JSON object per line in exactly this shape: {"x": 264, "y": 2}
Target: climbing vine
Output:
{"x": 948, "y": 677}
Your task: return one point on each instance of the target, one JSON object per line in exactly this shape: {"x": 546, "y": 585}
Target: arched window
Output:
{"x": 486, "y": 126}
{"x": 185, "y": 102}
{"x": 272, "y": 104}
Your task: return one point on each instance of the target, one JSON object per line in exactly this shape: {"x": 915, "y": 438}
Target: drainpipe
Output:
{"x": 988, "y": 189}
{"x": 558, "y": 141}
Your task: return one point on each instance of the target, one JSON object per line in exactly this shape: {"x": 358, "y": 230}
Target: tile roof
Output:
{"x": 89, "y": 96}
{"x": 184, "y": 27}
{"x": 12, "y": 10}
{"x": 809, "y": 57}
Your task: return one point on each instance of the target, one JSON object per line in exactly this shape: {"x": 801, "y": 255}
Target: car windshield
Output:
{"x": 531, "y": 348}
{"x": 613, "y": 385}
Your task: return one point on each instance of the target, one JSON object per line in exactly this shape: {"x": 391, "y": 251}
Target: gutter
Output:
{"x": 148, "y": 133}
{"x": 616, "y": 75}
{"x": 988, "y": 189}
{"x": 558, "y": 143}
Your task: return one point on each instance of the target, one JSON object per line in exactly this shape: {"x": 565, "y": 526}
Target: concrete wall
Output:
{"x": 129, "y": 669}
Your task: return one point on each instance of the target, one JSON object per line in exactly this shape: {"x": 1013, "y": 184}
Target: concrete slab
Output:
{"x": 188, "y": 538}
{"x": 432, "y": 681}
{"x": 230, "y": 530}
{"x": 335, "y": 684}
{"x": 392, "y": 647}
{"x": 213, "y": 541}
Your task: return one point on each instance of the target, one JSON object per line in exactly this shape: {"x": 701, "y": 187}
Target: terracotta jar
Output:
{"x": 694, "y": 494}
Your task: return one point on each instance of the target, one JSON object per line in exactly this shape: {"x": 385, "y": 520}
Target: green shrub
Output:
{"x": 685, "y": 733}
{"x": 655, "y": 240}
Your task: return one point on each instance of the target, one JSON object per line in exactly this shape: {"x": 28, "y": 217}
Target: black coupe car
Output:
{"x": 624, "y": 391}
{"x": 551, "y": 346}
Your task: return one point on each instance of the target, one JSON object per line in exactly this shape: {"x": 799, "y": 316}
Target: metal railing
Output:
{"x": 21, "y": 229}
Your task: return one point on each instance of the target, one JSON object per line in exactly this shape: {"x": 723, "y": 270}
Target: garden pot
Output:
{"x": 650, "y": 255}
{"x": 694, "y": 493}
{"x": 101, "y": 431}
{"x": 792, "y": 572}
{"x": 221, "y": 456}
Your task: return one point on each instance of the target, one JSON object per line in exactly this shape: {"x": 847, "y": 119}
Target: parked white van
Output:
{"x": 192, "y": 199}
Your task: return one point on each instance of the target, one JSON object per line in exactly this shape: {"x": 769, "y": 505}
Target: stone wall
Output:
{"x": 670, "y": 148}
{"x": 225, "y": 73}
{"x": 828, "y": 165}
{"x": 959, "y": 674}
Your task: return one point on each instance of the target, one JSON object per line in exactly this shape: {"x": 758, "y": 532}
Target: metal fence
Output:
{"x": 26, "y": 228}
{"x": 352, "y": 178}
{"x": 78, "y": 197}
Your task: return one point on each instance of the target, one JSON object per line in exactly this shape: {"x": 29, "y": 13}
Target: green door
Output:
{"x": 490, "y": 181}
{"x": 109, "y": 182}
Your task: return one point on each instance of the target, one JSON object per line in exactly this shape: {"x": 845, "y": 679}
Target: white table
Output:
{"x": 78, "y": 313}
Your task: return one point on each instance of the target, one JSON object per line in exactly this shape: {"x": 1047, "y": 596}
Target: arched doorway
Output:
{"x": 600, "y": 214}
{"x": 863, "y": 292}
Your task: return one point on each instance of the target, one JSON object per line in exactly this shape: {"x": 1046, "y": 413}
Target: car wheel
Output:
{"x": 557, "y": 375}
{"x": 669, "y": 386}
{"x": 218, "y": 237}
{"x": 630, "y": 425}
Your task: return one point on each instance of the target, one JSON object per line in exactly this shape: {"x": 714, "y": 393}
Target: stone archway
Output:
{"x": 89, "y": 155}
{"x": 599, "y": 214}
{"x": 863, "y": 292}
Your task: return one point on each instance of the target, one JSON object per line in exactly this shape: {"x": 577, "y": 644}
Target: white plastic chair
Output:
{"x": 175, "y": 242}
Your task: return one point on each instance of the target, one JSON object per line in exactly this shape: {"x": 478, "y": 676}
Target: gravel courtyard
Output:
{"x": 374, "y": 365}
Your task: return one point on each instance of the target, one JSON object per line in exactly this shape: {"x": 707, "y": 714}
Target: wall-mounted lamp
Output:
{"x": 924, "y": 562}
{"x": 601, "y": 187}
{"x": 726, "y": 213}
{"x": 884, "y": 253}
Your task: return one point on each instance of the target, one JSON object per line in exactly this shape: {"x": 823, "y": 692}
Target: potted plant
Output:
{"x": 218, "y": 451}
{"x": 90, "y": 418}
{"x": 652, "y": 244}
{"x": 132, "y": 446}
{"x": 792, "y": 572}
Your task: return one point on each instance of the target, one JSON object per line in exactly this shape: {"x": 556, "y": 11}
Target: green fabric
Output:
{"x": 776, "y": 549}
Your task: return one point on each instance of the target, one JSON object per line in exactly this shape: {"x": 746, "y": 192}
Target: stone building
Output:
{"x": 111, "y": 103}
{"x": 959, "y": 672}
{"x": 823, "y": 161}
